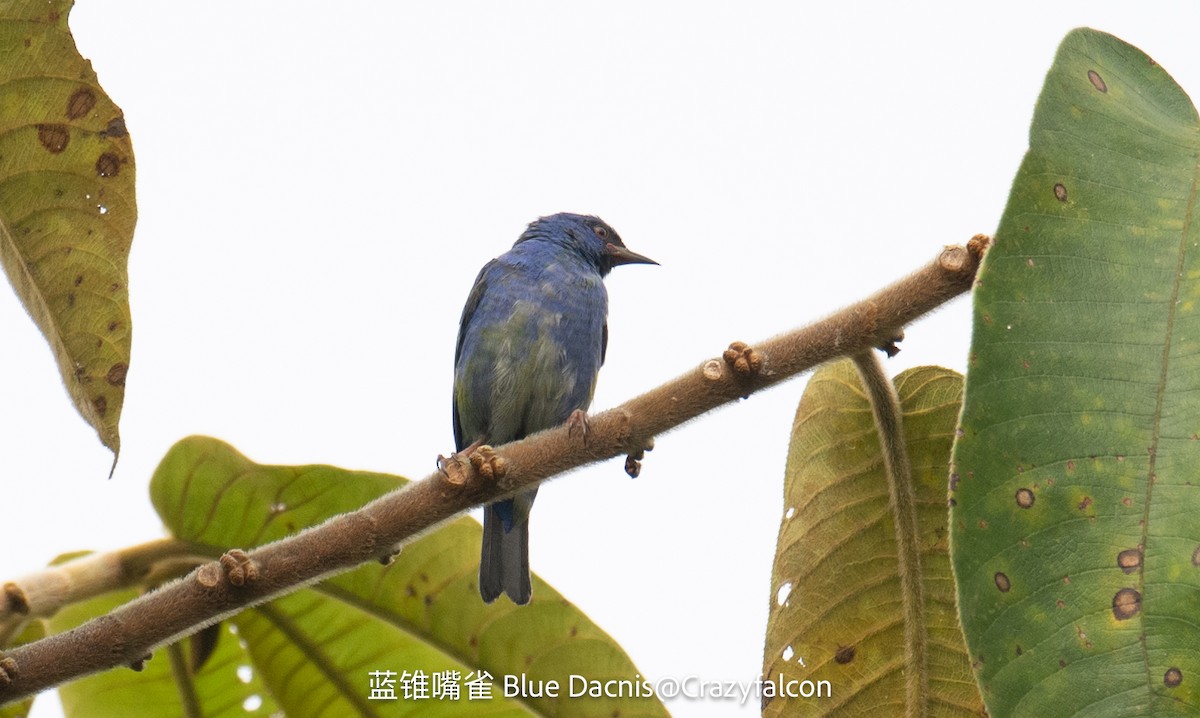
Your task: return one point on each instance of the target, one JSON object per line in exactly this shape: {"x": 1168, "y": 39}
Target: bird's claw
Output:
{"x": 743, "y": 359}
{"x": 480, "y": 456}
{"x": 238, "y": 567}
{"x": 451, "y": 466}
{"x": 578, "y": 421}
{"x": 451, "y": 469}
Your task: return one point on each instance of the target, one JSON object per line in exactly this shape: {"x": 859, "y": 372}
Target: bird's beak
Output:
{"x": 623, "y": 255}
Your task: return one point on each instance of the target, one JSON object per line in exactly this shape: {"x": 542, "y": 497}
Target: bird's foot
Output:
{"x": 8, "y": 670}
{"x": 743, "y": 359}
{"x": 578, "y": 421}
{"x": 633, "y": 462}
{"x": 489, "y": 466}
{"x": 238, "y": 567}
{"x": 451, "y": 466}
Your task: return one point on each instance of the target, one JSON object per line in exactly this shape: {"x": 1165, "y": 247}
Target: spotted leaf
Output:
{"x": 67, "y": 208}
{"x": 318, "y": 647}
{"x": 1075, "y": 541}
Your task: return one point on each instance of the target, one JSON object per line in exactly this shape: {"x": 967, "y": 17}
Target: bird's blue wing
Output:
{"x": 468, "y": 312}
{"x": 604, "y": 344}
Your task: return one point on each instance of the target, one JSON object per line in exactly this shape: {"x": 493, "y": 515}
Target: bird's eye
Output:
{"x": 601, "y": 231}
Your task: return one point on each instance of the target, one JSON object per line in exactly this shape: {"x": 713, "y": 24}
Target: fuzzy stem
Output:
{"x": 207, "y": 595}
{"x": 41, "y": 594}
{"x": 886, "y": 407}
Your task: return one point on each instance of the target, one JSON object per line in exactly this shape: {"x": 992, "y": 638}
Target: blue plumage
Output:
{"x": 530, "y": 343}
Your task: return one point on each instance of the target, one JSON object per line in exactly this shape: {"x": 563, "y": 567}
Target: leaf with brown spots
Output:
{"x": 67, "y": 206}
{"x": 420, "y": 612}
{"x": 836, "y": 591}
{"x": 1086, "y": 374}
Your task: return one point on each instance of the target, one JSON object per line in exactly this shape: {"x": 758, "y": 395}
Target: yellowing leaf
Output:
{"x": 67, "y": 207}
{"x": 836, "y": 593}
{"x": 319, "y": 647}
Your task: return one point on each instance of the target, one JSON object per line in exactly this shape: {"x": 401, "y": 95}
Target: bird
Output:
{"x": 531, "y": 340}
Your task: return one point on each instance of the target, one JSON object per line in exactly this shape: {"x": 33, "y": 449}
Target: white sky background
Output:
{"x": 319, "y": 184}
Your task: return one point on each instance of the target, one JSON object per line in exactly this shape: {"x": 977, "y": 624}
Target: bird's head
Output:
{"x": 588, "y": 236}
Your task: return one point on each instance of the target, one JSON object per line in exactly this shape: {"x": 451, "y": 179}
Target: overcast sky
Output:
{"x": 319, "y": 184}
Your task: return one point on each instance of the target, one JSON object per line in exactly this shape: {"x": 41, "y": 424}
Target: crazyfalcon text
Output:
{"x": 689, "y": 687}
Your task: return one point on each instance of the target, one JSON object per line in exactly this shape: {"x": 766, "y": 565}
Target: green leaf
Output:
{"x": 32, "y": 631}
{"x": 836, "y": 594}
{"x": 1075, "y": 541}
{"x": 316, "y": 649}
{"x": 166, "y": 685}
{"x": 67, "y": 207}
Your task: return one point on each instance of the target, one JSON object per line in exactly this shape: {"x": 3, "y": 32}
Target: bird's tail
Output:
{"x": 504, "y": 563}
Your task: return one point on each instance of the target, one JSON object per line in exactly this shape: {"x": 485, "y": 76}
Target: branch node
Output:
{"x": 16, "y": 599}
{"x": 978, "y": 246}
{"x": 140, "y": 664}
{"x": 712, "y": 370}
{"x": 954, "y": 258}
{"x": 238, "y": 567}
{"x": 889, "y": 345}
{"x": 209, "y": 575}
{"x": 389, "y": 558}
{"x": 8, "y": 670}
{"x": 623, "y": 432}
{"x": 490, "y": 466}
{"x": 640, "y": 453}
{"x": 743, "y": 359}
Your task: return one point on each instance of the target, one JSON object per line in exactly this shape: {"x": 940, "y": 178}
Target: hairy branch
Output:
{"x": 41, "y": 594}
{"x": 216, "y": 590}
{"x": 889, "y": 423}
